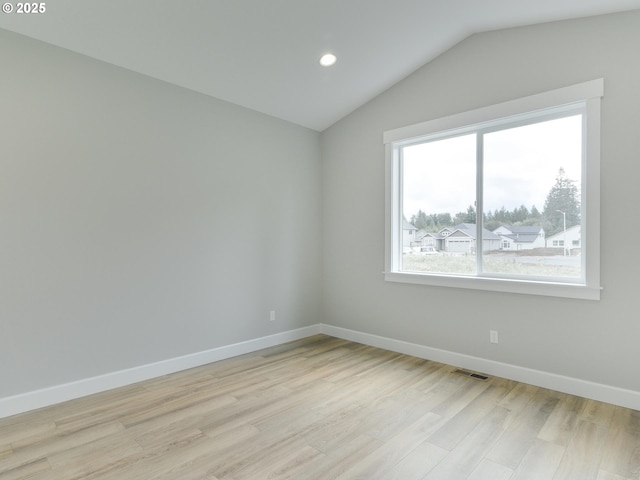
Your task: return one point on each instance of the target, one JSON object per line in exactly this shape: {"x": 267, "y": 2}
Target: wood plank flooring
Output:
{"x": 324, "y": 408}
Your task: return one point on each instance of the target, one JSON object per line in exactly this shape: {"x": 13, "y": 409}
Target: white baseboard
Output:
{"x": 560, "y": 383}
{"x": 48, "y": 396}
{"x": 60, "y": 393}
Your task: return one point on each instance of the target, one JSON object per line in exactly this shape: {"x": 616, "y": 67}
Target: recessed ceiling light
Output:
{"x": 328, "y": 59}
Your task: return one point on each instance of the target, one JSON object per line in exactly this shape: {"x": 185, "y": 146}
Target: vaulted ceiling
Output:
{"x": 263, "y": 54}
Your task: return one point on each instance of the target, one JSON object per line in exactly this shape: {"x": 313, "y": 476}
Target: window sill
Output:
{"x": 551, "y": 289}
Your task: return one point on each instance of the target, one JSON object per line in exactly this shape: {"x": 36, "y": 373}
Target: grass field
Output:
{"x": 511, "y": 264}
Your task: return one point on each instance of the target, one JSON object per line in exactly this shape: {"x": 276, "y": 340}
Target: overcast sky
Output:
{"x": 520, "y": 167}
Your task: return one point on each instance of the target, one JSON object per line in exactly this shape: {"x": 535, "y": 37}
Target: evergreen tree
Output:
{"x": 535, "y": 213}
{"x": 534, "y": 218}
{"x": 470, "y": 217}
{"x": 466, "y": 217}
{"x": 421, "y": 221}
{"x": 562, "y": 198}
{"x": 519, "y": 215}
{"x": 443, "y": 220}
{"x": 503, "y": 216}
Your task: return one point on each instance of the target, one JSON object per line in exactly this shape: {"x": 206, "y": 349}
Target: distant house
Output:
{"x": 521, "y": 238}
{"x": 430, "y": 239}
{"x": 408, "y": 235}
{"x": 463, "y": 239}
{"x": 458, "y": 239}
{"x": 446, "y": 231}
{"x": 569, "y": 239}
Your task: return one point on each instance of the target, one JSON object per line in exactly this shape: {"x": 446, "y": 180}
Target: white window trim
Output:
{"x": 590, "y": 93}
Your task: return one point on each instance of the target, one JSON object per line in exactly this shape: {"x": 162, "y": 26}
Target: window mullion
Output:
{"x": 479, "y": 198}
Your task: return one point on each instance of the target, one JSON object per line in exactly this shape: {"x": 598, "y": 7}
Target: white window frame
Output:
{"x": 589, "y": 94}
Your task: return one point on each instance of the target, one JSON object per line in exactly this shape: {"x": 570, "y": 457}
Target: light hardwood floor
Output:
{"x": 324, "y": 408}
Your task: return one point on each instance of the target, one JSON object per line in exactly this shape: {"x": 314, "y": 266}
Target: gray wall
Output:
{"x": 595, "y": 341}
{"x": 140, "y": 221}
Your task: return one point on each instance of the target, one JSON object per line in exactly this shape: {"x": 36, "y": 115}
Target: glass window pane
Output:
{"x": 438, "y": 206}
{"x": 531, "y": 199}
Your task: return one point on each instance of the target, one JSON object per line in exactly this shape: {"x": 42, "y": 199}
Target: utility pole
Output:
{"x": 564, "y": 232}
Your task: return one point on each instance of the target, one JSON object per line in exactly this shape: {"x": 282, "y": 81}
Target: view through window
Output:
{"x": 502, "y": 198}
{"x": 522, "y": 178}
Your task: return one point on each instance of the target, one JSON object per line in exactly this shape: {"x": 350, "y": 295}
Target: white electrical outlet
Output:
{"x": 493, "y": 336}
{"x": 272, "y": 316}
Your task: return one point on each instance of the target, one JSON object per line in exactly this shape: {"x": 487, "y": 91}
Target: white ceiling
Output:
{"x": 263, "y": 54}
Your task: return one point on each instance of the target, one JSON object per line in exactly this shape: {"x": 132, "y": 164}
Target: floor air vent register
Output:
{"x": 467, "y": 373}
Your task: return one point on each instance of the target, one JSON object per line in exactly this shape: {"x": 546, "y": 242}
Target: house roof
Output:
{"x": 560, "y": 235}
{"x": 533, "y": 229}
{"x": 470, "y": 229}
{"x": 408, "y": 225}
{"x": 423, "y": 233}
{"x": 521, "y": 238}
{"x": 521, "y": 234}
